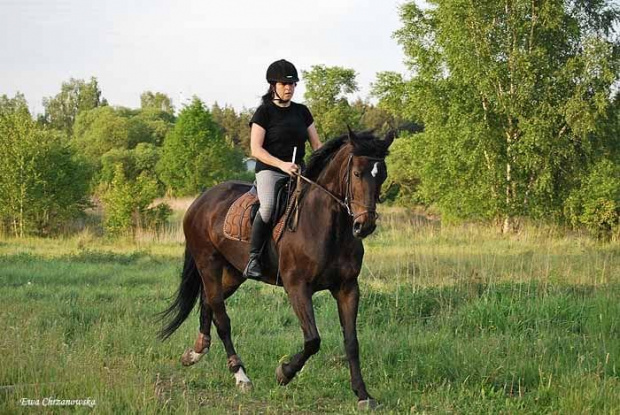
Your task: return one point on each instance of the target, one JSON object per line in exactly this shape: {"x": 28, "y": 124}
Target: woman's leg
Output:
{"x": 261, "y": 228}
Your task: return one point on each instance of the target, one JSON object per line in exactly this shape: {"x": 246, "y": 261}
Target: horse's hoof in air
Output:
{"x": 367, "y": 405}
{"x": 281, "y": 377}
{"x": 190, "y": 357}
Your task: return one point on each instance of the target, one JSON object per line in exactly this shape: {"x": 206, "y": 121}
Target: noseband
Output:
{"x": 348, "y": 198}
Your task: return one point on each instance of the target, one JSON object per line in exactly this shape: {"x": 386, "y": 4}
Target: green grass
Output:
{"x": 452, "y": 320}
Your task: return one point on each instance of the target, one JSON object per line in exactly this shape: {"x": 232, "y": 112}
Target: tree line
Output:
{"x": 521, "y": 112}
{"x": 510, "y": 111}
{"x": 83, "y": 152}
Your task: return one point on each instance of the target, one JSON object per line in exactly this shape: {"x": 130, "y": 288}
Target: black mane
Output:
{"x": 364, "y": 144}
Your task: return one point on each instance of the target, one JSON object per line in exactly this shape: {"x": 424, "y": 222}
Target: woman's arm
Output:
{"x": 257, "y": 138}
{"x": 315, "y": 142}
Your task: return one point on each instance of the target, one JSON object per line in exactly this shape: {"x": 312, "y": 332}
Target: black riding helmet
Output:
{"x": 282, "y": 71}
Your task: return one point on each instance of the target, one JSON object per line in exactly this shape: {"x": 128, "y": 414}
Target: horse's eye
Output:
{"x": 356, "y": 173}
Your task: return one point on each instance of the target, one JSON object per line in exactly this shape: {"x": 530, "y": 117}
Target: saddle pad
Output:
{"x": 238, "y": 224}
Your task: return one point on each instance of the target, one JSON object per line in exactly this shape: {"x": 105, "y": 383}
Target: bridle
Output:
{"x": 348, "y": 198}
{"x": 348, "y": 201}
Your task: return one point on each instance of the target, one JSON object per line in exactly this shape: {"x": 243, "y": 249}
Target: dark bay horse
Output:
{"x": 324, "y": 253}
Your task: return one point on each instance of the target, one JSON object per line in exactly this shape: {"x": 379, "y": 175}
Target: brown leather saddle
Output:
{"x": 240, "y": 215}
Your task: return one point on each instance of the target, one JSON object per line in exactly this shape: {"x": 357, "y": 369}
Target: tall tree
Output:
{"x": 157, "y": 101}
{"x": 235, "y": 127}
{"x": 244, "y": 130}
{"x": 326, "y": 95}
{"x": 195, "y": 155}
{"x": 393, "y": 93}
{"x": 42, "y": 183}
{"x": 75, "y": 96}
{"x": 98, "y": 131}
{"x": 17, "y": 104}
{"x": 510, "y": 93}
{"x": 375, "y": 118}
{"x": 16, "y": 164}
{"x": 157, "y": 123}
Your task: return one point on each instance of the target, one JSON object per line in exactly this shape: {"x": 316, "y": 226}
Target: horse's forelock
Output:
{"x": 370, "y": 146}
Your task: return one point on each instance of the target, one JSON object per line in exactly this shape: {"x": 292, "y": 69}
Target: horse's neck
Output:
{"x": 332, "y": 177}
{"x": 320, "y": 205}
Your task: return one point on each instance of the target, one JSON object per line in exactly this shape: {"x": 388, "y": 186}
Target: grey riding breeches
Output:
{"x": 266, "y": 188}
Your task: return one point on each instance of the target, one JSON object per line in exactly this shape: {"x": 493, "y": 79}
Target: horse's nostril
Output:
{"x": 357, "y": 226}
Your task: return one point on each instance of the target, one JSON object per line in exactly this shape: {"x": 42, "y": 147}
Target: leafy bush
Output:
{"x": 127, "y": 203}
{"x": 156, "y": 217}
{"x": 403, "y": 179}
{"x": 596, "y": 204}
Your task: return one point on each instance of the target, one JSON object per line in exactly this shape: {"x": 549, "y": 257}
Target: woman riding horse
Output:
{"x": 336, "y": 210}
{"x": 278, "y": 126}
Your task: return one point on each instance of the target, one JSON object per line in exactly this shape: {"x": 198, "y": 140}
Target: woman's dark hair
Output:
{"x": 268, "y": 97}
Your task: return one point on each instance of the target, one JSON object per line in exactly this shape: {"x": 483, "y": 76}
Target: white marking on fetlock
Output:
{"x": 241, "y": 377}
{"x": 375, "y": 170}
{"x": 195, "y": 357}
{"x": 367, "y": 405}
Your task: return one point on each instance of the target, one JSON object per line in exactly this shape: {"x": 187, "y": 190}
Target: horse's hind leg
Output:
{"x": 230, "y": 283}
{"x": 203, "y": 341}
{"x": 232, "y": 279}
{"x": 214, "y": 271}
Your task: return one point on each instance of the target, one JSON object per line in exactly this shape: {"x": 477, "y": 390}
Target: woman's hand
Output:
{"x": 289, "y": 168}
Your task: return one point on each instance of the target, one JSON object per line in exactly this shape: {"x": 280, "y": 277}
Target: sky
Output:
{"x": 216, "y": 50}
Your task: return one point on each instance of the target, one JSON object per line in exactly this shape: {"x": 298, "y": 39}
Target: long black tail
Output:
{"x": 189, "y": 291}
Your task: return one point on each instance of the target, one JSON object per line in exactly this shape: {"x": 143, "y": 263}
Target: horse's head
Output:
{"x": 366, "y": 172}
{"x": 351, "y": 169}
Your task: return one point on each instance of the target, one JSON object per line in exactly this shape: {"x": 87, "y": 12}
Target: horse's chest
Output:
{"x": 323, "y": 265}
{"x": 345, "y": 263}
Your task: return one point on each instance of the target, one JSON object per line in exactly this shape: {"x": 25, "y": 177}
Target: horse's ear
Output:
{"x": 351, "y": 134}
{"x": 389, "y": 137}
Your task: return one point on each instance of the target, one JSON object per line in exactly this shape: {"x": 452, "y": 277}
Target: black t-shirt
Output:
{"x": 285, "y": 128}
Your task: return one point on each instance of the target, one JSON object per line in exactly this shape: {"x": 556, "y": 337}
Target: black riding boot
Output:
{"x": 260, "y": 232}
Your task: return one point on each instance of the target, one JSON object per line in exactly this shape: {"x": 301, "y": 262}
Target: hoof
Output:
{"x": 281, "y": 377}
{"x": 190, "y": 357}
{"x": 367, "y": 405}
{"x": 245, "y": 386}
{"x": 243, "y": 382}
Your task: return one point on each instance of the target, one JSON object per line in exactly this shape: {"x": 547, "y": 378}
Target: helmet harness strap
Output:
{"x": 275, "y": 92}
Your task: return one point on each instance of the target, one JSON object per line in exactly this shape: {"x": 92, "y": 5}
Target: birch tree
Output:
{"x": 511, "y": 94}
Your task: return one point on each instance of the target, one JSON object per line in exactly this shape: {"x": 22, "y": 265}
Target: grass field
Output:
{"x": 452, "y": 320}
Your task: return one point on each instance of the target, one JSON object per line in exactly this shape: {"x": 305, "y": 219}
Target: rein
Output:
{"x": 333, "y": 196}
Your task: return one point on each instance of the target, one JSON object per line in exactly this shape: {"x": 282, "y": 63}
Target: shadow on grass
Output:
{"x": 105, "y": 257}
{"x": 84, "y": 257}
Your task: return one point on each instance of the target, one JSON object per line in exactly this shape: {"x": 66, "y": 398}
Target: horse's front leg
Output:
{"x": 300, "y": 297}
{"x": 347, "y": 296}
